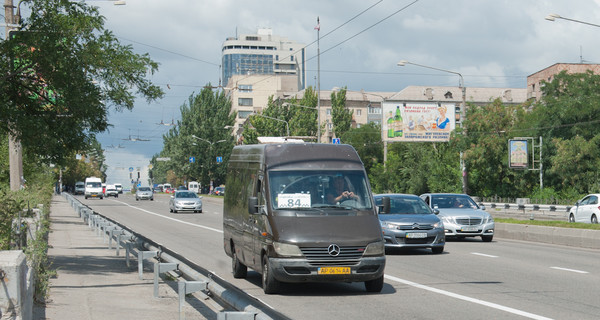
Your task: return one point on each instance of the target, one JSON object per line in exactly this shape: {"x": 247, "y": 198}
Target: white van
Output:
{"x": 93, "y": 188}
{"x": 194, "y": 186}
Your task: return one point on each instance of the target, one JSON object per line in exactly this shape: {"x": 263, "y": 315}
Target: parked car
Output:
{"x": 461, "y": 215}
{"x": 407, "y": 222}
{"x": 111, "y": 191}
{"x": 184, "y": 200}
{"x": 144, "y": 193}
{"x": 585, "y": 210}
{"x": 169, "y": 190}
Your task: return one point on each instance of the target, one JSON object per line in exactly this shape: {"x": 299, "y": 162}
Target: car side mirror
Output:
{"x": 436, "y": 211}
{"x": 253, "y": 205}
{"x": 482, "y": 207}
{"x": 385, "y": 205}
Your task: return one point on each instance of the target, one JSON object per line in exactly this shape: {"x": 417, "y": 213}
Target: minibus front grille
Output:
{"x": 322, "y": 254}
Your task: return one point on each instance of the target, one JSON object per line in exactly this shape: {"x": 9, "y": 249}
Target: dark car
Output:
{"x": 182, "y": 188}
{"x": 410, "y": 223}
{"x": 219, "y": 191}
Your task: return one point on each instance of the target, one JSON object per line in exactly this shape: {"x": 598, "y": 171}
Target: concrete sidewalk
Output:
{"x": 93, "y": 283}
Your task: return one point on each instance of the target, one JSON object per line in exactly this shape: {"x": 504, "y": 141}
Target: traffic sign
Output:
{"x": 192, "y": 159}
{"x": 335, "y": 141}
{"x": 130, "y": 169}
{"x": 219, "y": 159}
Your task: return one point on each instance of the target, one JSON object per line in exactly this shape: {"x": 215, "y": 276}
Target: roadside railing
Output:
{"x": 192, "y": 278}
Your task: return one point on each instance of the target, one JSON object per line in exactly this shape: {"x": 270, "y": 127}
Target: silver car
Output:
{"x": 144, "y": 193}
{"x": 461, "y": 215}
{"x": 409, "y": 223}
{"x": 184, "y": 200}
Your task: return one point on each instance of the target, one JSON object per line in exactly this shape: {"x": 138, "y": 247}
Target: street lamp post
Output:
{"x": 287, "y": 127}
{"x": 461, "y": 84}
{"x": 211, "y": 144}
{"x": 554, "y": 16}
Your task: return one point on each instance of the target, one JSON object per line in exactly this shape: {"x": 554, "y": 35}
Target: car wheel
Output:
{"x": 594, "y": 219}
{"x": 116, "y": 196}
{"x": 174, "y": 211}
{"x": 374, "y": 285}
{"x": 239, "y": 270}
{"x": 487, "y": 238}
{"x": 269, "y": 283}
{"x": 571, "y": 218}
{"x": 437, "y": 250}
{"x": 170, "y": 210}
{"x": 136, "y": 199}
{"x": 151, "y": 199}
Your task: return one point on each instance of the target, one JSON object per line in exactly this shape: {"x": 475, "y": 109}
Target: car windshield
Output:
{"x": 453, "y": 201}
{"x": 405, "y": 205}
{"x": 144, "y": 189}
{"x": 185, "y": 195}
{"x": 94, "y": 184}
{"x": 319, "y": 189}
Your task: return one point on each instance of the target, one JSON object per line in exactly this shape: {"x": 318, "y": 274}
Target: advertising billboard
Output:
{"x": 517, "y": 154}
{"x": 406, "y": 121}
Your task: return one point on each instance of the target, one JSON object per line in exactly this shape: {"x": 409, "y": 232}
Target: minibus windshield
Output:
{"x": 319, "y": 189}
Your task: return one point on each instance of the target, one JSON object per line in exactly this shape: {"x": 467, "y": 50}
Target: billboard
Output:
{"x": 406, "y": 121}
{"x": 517, "y": 154}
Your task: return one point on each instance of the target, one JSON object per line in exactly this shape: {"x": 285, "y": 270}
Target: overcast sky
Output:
{"x": 492, "y": 43}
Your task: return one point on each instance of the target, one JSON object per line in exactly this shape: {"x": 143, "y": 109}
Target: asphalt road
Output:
{"x": 503, "y": 279}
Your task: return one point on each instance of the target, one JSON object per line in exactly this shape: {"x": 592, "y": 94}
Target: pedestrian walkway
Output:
{"x": 93, "y": 283}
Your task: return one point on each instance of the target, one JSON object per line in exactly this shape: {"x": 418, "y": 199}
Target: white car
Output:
{"x": 184, "y": 200}
{"x": 111, "y": 191}
{"x": 585, "y": 210}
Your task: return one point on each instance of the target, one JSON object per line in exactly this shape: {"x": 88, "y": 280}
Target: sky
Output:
{"x": 491, "y": 43}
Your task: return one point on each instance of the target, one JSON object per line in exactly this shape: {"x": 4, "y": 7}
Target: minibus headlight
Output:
{"x": 375, "y": 249}
{"x": 289, "y": 250}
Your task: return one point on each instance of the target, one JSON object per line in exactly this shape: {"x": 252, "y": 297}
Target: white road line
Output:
{"x": 570, "y": 270}
{"x": 484, "y": 255}
{"x": 468, "y": 299}
{"x": 173, "y": 219}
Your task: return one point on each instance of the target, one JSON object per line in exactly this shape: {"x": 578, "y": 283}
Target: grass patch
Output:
{"x": 560, "y": 224}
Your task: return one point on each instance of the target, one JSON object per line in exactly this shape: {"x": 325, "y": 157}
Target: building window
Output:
{"x": 244, "y": 114}
{"x": 245, "y": 87}
{"x": 358, "y": 112}
{"x": 374, "y": 110}
{"x": 330, "y": 126}
{"x": 244, "y": 101}
{"x": 328, "y": 112}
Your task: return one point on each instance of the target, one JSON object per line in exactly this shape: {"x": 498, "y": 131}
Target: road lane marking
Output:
{"x": 570, "y": 270}
{"x": 484, "y": 255}
{"x": 173, "y": 219}
{"x": 468, "y": 299}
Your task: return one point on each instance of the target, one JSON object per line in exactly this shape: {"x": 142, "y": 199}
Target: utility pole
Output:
{"x": 15, "y": 156}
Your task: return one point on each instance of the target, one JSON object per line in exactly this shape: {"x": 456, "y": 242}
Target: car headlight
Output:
{"x": 489, "y": 219}
{"x": 438, "y": 225}
{"x": 386, "y": 225}
{"x": 447, "y": 219}
{"x": 375, "y": 249}
{"x": 289, "y": 250}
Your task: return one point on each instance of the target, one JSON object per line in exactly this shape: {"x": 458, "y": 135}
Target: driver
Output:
{"x": 340, "y": 192}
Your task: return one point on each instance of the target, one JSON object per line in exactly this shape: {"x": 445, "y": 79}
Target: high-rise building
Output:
{"x": 263, "y": 54}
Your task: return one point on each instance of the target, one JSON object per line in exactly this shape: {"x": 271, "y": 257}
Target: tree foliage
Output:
{"x": 202, "y": 134}
{"x": 60, "y": 75}
{"x": 340, "y": 115}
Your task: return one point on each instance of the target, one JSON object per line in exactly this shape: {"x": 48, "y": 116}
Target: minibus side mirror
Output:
{"x": 385, "y": 205}
{"x": 253, "y": 205}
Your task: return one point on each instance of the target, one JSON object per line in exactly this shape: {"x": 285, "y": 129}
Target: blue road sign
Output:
{"x": 219, "y": 159}
{"x": 335, "y": 141}
{"x": 130, "y": 169}
{"x": 192, "y": 159}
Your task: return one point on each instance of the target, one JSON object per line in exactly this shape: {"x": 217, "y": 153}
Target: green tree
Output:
{"x": 367, "y": 142}
{"x": 340, "y": 115}
{"x": 60, "y": 76}
{"x": 201, "y": 133}
{"x": 575, "y": 164}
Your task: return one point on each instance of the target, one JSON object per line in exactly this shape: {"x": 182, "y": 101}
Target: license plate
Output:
{"x": 334, "y": 270}
{"x": 416, "y": 235}
{"x": 469, "y": 229}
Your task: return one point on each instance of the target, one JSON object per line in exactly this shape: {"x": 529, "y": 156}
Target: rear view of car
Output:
{"x": 144, "y": 193}
{"x": 119, "y": 187}
{"x": 79, "y": 187}
{"x": 407, "y": 222}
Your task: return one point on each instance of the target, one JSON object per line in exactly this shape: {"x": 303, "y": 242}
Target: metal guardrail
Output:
{"x": 195, "y": 277}
{"x": 531, "y": 207}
